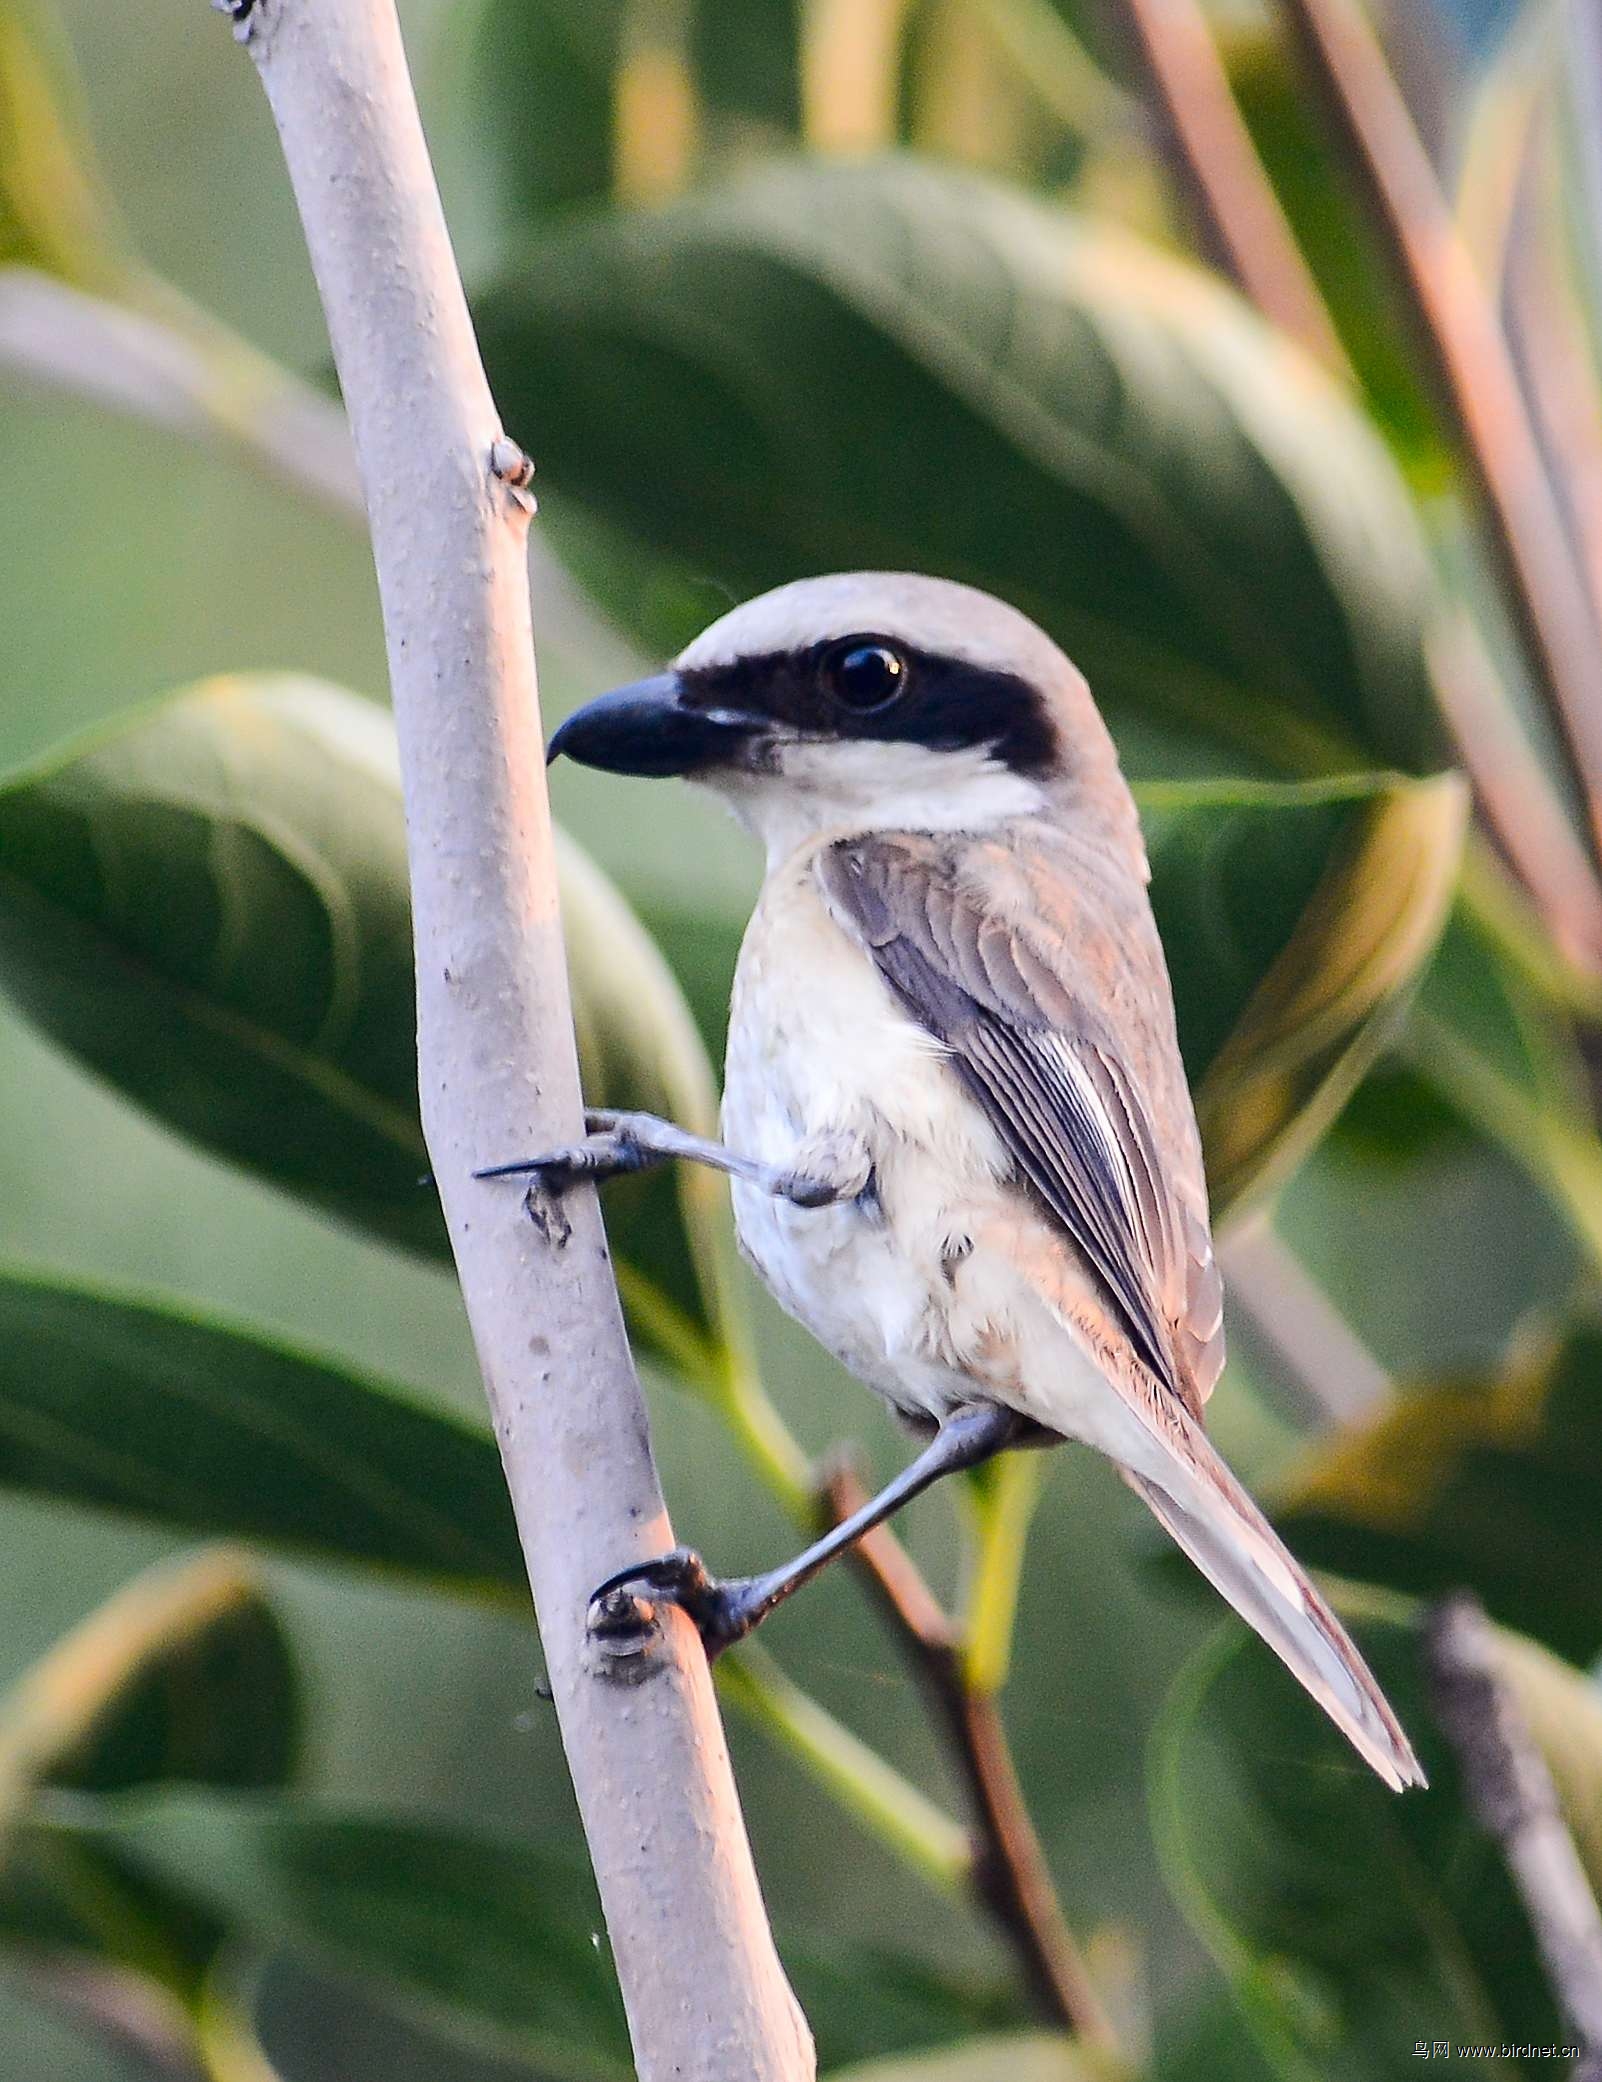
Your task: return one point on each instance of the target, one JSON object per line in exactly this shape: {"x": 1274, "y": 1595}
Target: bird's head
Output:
{"x": 867, "y": 701}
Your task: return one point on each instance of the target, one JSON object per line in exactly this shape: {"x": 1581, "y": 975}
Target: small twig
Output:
{"x": 1238, "y": 215}
{"x": 1511, "y": 1791}
{"x": 1472, "y": 371}
{"x": 1517, "y": 802}
{"x": 136, "y": 362}
{"x": 1550, "y": 352}
{"x": 1010, "y": 1875}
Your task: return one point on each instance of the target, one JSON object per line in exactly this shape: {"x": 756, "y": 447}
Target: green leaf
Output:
{"x": 1208, "y": 2041}
{"x": 489, "y": 1938}
{"x": 867, "y": 2003}
{"x": 1022, "y": 2057}
{"x": 1296, "y": 923}
{"x": 536, "y": 84}
{"x": 1496, "y": 1045}
{"x": 1354, "y": 1923}
{"x": 895, "y": 366}
{"x": 746, "y": 55}
{"x": 54, "y": 215}
{"x": 164, "y": 1414}
{"x": 539, "y": 88}
{"x": 1489, "y": 1484}
{"x": 208, "y": 905}
{"x": 478, "y": 1934}
{"x": 183, "y": 1674}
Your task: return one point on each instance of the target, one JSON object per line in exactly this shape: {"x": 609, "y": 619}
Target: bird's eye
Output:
{"x": 864, "y": 676}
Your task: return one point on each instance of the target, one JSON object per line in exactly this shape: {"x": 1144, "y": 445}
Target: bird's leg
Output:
{"x": 725, "y": 1612}
{"x": 623, "y": 1142}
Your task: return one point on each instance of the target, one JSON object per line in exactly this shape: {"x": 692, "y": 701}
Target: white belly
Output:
{"x": 891, "y": 1282}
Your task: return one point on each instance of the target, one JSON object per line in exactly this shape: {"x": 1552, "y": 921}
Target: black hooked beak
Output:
{"x": 649, "y": 728}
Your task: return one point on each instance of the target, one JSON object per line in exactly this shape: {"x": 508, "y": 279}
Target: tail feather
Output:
{"x": 1207, "y": 1512}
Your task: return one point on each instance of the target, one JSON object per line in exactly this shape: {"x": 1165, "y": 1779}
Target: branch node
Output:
{"x": 623, "y": 1637}
{"x": 514, "y": 468}
{"x": 509, "y": 462}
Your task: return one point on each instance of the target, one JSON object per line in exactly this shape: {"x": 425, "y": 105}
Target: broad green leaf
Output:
{"x": 482, "y": 1935}
{"x": 1296, "y": 923}
{"x": 164, "y": 1414}
{"x": 53, "y": 213}
{"x": 894, "y": 366}
{"x": 542, "y": 87}
{"x": 184, "y": 1674}
{"x": 536, "y": 85}
{"x": 208, "y": 905}
{"x": 747, "y": 57}
{"x": 1493, "y": 1485}
{"x": 1209, "y": 2041}
{"x": 1023, "y": 2057}
{"x": 1502, "y": 1053}
{"x": 487, "y": 1936}
{"x": 1354, "y": 1923}
{"x": 866, "y": 2002}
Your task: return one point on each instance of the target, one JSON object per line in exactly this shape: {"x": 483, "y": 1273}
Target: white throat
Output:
{"x": 833, "y": 790}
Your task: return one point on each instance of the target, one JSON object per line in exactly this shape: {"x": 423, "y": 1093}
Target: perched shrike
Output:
{"x": 963, "y": 1150}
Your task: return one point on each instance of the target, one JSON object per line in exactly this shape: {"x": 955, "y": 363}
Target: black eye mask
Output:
{"x": 877, "y": 689}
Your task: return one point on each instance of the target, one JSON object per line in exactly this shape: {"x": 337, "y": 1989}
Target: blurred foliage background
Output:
{"x": 1255, "y": 353}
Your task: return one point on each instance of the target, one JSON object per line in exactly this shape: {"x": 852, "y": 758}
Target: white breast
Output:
{"x": 820, "y": 1053}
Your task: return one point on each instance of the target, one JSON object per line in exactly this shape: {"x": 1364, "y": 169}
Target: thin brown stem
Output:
{"x": 1511, "y": 1791}
{"x": 1011, "y": 1879}
{"x": 1238, "y": 217}
{"x": 1550, "y": 351}
{"x": 1471, "y": 369}
{"x": 1513, "y": 793}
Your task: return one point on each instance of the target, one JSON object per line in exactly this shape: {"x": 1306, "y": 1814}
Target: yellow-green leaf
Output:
{"x": 1295, "y": 921}
{"x": 207, "y": 904}
{"x": 1490, "y": 1484}
{"x": 184, "y": 1673}
{"x": 53, "y": 213}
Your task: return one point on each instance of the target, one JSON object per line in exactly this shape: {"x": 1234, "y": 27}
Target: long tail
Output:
{"x": 1209, "y": 1514}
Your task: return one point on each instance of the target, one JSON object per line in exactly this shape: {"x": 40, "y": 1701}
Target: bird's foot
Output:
{"x": 624, "y": 1142}
{"x": 722, "y": 1612}
{"x": 609, "y": 1153}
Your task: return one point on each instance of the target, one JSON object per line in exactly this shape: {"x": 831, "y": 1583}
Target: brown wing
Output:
{"x": 1039, "y": 1061}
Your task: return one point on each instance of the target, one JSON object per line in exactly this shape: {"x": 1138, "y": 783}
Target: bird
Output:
{"x": 962, "y": 1149}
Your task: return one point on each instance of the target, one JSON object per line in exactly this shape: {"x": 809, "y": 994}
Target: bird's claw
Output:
{"x": 608, "y": 1154}
{"x": 802, "y": 1191}
{"x": 722, "y": 1612}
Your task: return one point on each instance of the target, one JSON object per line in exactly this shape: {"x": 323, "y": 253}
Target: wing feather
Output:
{"x": 1038, "y": 1062}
